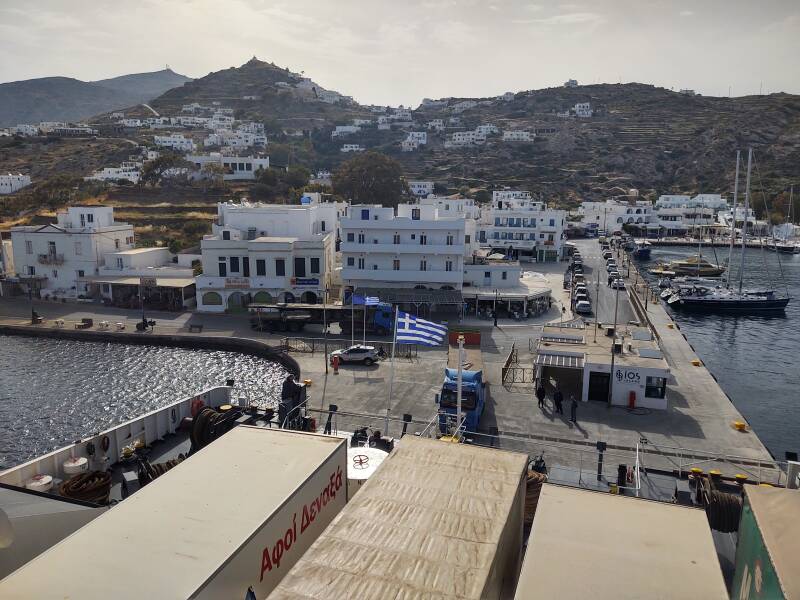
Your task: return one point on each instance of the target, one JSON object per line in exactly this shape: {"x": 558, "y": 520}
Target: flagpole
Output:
{"x": 365, "y": 320}
{"x": 391, "y": 376}
{"x": 353, "y": 317}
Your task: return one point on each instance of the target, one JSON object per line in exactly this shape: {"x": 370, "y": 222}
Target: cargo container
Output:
{"x": 768, "y": 549}
{"x": 228, "y": 522}
{"x": 587, "y": 544}
{"x": 435, "y": 520}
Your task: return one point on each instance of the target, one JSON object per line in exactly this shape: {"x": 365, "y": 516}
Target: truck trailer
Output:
{"x": 473, "y": 387}
{"x": 435, "y": 520}
{"x": 294, "y": 317}
{"x": 227, "y": 522}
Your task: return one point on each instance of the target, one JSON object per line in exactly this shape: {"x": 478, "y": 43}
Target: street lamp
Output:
{"x": 613, "y": 341}
{"x": 495, "y": 307}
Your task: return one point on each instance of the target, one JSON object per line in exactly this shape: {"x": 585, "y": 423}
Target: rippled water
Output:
{"x": 55, "y": 391}
{"x": 755, "y": 358}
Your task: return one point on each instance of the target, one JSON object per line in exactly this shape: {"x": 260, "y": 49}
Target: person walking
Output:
{"x": 573, "y": 409}
{"x": 558, "y": 400}
{"x": 541, "y": 394}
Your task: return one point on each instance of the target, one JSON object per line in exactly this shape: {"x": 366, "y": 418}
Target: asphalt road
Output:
{"x": 602, "y": 296}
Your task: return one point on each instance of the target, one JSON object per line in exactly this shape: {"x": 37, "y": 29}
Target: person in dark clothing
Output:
{"x": 573, "y": 409}
{"x": 558, "y": 400}
{"x": 289, "y": 393}
{"x": 540, "y": 395}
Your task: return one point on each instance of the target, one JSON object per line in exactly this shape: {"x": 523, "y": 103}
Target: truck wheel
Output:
{"x": 368, "y": 362}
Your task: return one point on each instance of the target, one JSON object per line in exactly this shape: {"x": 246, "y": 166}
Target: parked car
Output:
{"x": 583, "y": 308}
{"x": 358, "y": 353}
{"x": 612, "y": 276}
{"x": 611, "y": 266}
{"x": 618, "y": 284}
{"x": 582, "y": 298}
{"x": 581, "y": 287}
{"x": 607, "y": 254}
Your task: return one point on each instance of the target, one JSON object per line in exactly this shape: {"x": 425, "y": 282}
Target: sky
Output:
{"x": 400, "y": 51}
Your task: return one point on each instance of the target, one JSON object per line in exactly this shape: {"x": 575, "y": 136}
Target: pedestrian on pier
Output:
{"x": 541, "y": 394}
{"x": 558, "y": 400}
{"x": 573, "y": 409}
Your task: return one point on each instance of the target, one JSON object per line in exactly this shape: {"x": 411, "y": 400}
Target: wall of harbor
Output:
{"x": 248, "y": 346}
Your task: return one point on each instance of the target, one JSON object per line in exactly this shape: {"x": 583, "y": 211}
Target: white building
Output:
{"x": 6, "y": 260}
{"x": 267, "y": 253}
{"x": 421, "y": 137}
{"x": 127, "y": 171}
{"x": 132, "y": 123}
{"x": 351, "y": 148}
{"x": 583, "y": 110}
{"x": 344, "y": 130}
{"x": 322, "y": 178}
{"x": 25, "y": 130}
{"x": 611, "y": 215}
{"x": 518, "y": 226}
{"x": 118, "y": 279}
{"x": 458, "y": 207}
{"x": 175, "y": 141}
{"x": 508, "y": 96}
{"x": 236, "y": 168}
{"x": 235, "y": 139}
{"x": 571, "y": 83}
{"x": 436, "y": 125}
{"x": 362, "y": 122}
{"x": 463, "y": 105}
{"x": 59, "y": 258}
{"x": 421, "y": 188}
{"x": 515, "y": 135}
{"x": 411, "y": 249}
{"x": 466, "y": 138}
{"x": 487, "y": 130}
{"x": 11, "y": 183}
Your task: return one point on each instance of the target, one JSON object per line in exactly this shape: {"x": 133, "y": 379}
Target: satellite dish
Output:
{"x": 6, "y": 530}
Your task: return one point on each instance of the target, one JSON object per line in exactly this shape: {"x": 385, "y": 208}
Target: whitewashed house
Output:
{"x": 362, "y": 122}
{"x": 463, "y": 105}
{"x": 175, "y": 141}
{"x": 344, "y": 130}
{"x": 583, "y": 110}
{"x": 466, "y": 138}
{"x": 436, "y": 125}
{"x": 235, "y": 168}
{"x": 487, "y": 130}
{"x": 11, "y": 183}
{"x": 127, "y": 171}
{"x": 25, "y": 130}
{"x": 611, "y": 215}
{"x": 413, "y": 248}
{"x": 571, "y": 83}
{"x": 519, "y": 226}
{"x": 421, "y": 188}
{"x": 516, "y": 135}
{"x": 59, "y": 258}
{"x": 351, "y": 148}
{"x": 267, "y": 253}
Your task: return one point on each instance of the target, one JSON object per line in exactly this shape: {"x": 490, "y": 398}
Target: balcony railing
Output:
{"x": 51, "y": 259}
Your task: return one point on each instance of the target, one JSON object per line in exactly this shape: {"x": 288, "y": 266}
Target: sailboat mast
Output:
{"x": 746, "y": 211}
{"x": 733, "y": 220}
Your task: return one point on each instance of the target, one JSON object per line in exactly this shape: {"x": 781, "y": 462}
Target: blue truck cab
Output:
{"x": 473, "y": 387}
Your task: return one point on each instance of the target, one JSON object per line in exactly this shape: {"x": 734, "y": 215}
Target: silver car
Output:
{"x": 357, "y": 354}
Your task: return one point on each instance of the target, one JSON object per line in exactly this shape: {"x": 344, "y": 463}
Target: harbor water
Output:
{"x": 754, "y": 358}
{"x": 53, "y": 392}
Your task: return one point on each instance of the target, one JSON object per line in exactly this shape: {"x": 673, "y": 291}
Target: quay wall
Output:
{"x": 241, "y": 345}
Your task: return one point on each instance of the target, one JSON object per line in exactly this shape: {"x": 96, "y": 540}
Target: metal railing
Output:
{"x": 51, "y": 259}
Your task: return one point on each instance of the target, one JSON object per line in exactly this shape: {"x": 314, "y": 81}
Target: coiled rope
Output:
{"x": 89, "y": 487}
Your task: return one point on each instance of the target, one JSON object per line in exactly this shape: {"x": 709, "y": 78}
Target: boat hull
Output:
{"x": 741, "y": 305}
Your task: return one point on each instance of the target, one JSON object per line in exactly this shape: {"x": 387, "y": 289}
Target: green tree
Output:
{"x": 153, "y": 171}
{"x": 483, "y": 197}
{"x": 371, "y": 178}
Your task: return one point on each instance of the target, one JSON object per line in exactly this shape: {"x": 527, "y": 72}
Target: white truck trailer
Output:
{"x": 228, "y": 522}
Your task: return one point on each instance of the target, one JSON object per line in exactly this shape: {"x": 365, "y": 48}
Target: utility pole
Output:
{"x": 613, "y": 341}
{"x": 495, "y": 308}
{"x": 325, "y": 325}
{"x": 458, "y": 381}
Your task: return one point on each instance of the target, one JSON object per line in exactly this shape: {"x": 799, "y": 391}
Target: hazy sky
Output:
{"x": 399, "y": 51}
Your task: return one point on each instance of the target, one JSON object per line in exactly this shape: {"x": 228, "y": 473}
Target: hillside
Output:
{"x": 652, "y": 139}
{"x": 67, "y": 99}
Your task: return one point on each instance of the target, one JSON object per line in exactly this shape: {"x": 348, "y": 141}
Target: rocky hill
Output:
{"x": 640, "y": 136}
{"x": 67, "y": 99}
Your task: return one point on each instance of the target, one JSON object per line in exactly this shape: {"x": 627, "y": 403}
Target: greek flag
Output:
{"x": 413, "y": 330}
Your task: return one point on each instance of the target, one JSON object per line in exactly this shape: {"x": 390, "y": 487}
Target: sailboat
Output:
{"x": 696, "y": 296}
{"x": 781, "y": 245}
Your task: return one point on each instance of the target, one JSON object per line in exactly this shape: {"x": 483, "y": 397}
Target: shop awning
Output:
{"x": 563, "y": 360}
{"x": 165, "y": 282}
